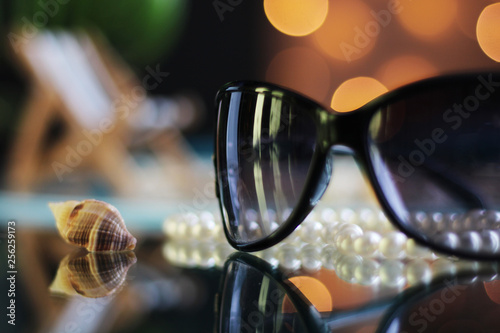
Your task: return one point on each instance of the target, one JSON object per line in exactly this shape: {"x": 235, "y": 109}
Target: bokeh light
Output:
{"x": 488, "y": 31}
{"x": 314, "y": 290}
{"x": 349, "y": 31}
{"x": 492, "y": 289}
{"x": 296, "y": 17}
{"x": 301, "y": 69}
{"x": 404, "y": 69}
{"x": 428, "y": 18}
{"x": 356, "y": 92}
{"x": 467, "y": 15}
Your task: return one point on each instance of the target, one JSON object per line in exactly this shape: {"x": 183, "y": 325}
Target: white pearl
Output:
{"x": 218, "y": 233}
{"x": 185, "y": 227}
{"x": 348, "y": 215}
{"x": 392, "y": 245}
{"x": 185, "y": 254}
{"x": 346, "y": 267}
{"x": 251, "y": 215}
{"x": 169, "y": 251}
{"x": 443, "y": 266}
{"x": 467, "y": 266}
{"x": 439, "y": 221}
{"x": 461, "y": 223}
{"x": 385, "y": 224}
{"x": 367, "y": 244}
{"x": 367, "y": 218}
{"x": 447, "y": 239}
{"x": 222, "y": 252}
{"x": 329, "y": 215}
{"x": 420, "y": 221}
{"x": 471, "y": 241}
{"x": 204, "y": 228}
{"x": 170, "y": 227}
{"x": 473, "y": 219}
{"x": 367, "y": 273}
{"x": 310, "y": 231}
{"x": 329, "y": 232}
{"x": 418, "y": 271}
{"x": 447, "y": 223}
{"x": 269, "y": 255}
{"x": 372, "y": 221}
{"x": 491, "y": 219}
{"x": 391, "y": 274}
{"x": 253, "y": 231}
{"x": 330, "y": 256}
{"x": 345, "y": 236}
{"x": 311, "y": 258}
{"x": 287, "y": 256}
{"x": 274, "y": 226}
{"x": 206, "y": 215}
{"x": 346, "y": 226}
{"x": 414, "y": 250}
{"x": 490, "y": 241}
{"x": 203, "y": 254}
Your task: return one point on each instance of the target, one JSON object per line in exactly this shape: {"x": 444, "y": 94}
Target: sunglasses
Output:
{"x": 431, "y": 151}
{"x": 255, "y": 297}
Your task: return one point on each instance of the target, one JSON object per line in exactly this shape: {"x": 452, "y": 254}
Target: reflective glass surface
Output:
{"x": 198, "y": 285}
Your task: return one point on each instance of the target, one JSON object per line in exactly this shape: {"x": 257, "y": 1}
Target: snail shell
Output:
{"x": 92, "y": 224}
{"x": 95, "y": 274}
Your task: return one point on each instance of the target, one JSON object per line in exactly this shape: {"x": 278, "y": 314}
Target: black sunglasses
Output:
{"x": 430, "y": 149}
{"x": 254, "y": 296}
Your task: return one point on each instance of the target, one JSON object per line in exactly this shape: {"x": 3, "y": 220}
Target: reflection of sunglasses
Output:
{"x": 431, "y": 150}
{"x": 450, "y": 306}
{"x": 257, "y": 298}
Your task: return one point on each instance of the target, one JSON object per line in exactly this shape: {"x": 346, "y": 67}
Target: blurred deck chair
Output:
{"x": 93, "y": 106}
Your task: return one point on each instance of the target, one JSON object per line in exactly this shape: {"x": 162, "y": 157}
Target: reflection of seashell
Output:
{"x": 92, "y": 224}
{"x": 92, "y": 274}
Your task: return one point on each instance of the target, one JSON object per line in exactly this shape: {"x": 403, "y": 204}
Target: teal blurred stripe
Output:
{"x": 31, "y": 210}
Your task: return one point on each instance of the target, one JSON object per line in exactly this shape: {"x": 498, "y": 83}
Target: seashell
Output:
{"x": 92, "y": 224}
{"x": 94, "y": 274}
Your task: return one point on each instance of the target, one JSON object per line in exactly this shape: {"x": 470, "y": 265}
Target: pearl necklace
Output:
{"x": 365, "y": 232}
{"x": 360, "y": 245}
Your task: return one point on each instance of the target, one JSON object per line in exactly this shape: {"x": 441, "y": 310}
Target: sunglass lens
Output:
{"x": 254, "y": 302}
{"x": 436, "y": 156}
{"x": 265, "y": 146}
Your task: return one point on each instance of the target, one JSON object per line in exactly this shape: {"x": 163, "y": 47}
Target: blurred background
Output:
{"x": 107, "y": 98}
{"x": 115, "y": 100}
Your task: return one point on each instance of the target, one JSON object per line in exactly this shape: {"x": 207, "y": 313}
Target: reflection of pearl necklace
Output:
{"x": 361, "y": 246}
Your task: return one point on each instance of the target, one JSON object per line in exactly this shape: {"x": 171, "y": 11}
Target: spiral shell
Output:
{"x": 92, "y": 224}
{"x": 94, "y": 275}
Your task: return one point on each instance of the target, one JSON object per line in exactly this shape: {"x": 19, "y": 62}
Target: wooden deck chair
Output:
{"x": 78, "y": 81}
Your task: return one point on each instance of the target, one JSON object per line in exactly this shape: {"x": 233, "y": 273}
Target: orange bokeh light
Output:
{"x": 428, "y": 18}
{"x": 467, "y": 15}
{"x": 314, "y": 290}
{"x": 492, "y": 289}
{"x": 356, "y": 92}
{"x": 342, "y": 35}
{"x": 405, "y": 69}
{"x": 488, "y": 31}
{"x": 301, "y": 69}
{"x": 296, "y": 17}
